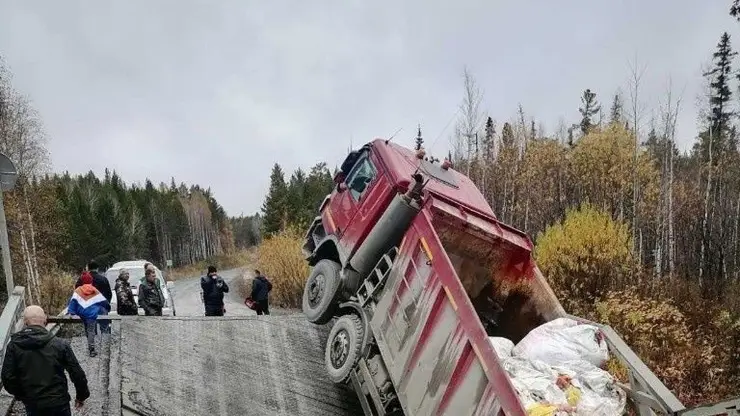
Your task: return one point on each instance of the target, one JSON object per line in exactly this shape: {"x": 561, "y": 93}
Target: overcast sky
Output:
{"x": 215, "y": 92}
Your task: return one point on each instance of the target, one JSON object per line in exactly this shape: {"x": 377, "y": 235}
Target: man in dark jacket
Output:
{"x": 124, "y": 295}
{"x": 213, "y": 287}
{"x": 151, "y": 298}
{"x": 34, "y": 366}
{"x": 261, "y": 287}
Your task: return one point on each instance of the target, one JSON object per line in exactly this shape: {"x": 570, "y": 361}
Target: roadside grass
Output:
{"x": 238, "y": 259}
{"x": 279, "y": 257}
{"x": 55, "y": 291}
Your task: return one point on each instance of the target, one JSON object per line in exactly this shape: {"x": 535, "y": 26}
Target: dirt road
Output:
{"x": 188, "y": 302}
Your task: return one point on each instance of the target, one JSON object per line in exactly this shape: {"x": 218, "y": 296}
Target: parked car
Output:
{"x": 135, "y": 269}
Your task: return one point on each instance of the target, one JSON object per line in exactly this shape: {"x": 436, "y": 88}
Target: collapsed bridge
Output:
{"x": 161, "y": 366}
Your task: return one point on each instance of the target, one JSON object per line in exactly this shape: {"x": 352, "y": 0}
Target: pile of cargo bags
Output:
{"x": 557, "y": 370}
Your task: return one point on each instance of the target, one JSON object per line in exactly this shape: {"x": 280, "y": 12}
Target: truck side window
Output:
{"x": 360, "y": 177}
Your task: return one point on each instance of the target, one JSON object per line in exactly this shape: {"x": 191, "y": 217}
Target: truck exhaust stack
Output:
{"x": 386, "y": 233}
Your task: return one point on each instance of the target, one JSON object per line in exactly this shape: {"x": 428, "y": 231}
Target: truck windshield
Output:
{"x": 362, "y": 174}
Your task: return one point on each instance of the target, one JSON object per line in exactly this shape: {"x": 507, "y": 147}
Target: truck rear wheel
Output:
{"x": 343, "y": 347}
{"x": 320, "y": 292}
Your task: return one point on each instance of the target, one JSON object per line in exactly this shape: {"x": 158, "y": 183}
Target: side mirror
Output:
{"x": 170, "y": 284}
{"x": 341, "y": 187}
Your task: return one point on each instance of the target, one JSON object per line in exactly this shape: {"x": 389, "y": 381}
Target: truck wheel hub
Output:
{"x": 340, "y": 349}
{"x": 316, "y": 290}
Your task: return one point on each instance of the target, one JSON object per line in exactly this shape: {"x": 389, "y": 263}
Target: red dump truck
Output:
{"x": 412, "y": 265}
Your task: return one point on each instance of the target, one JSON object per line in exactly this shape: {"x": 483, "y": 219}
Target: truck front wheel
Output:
{"x": 343, "y": 347}
{"x": 320, "y": 292}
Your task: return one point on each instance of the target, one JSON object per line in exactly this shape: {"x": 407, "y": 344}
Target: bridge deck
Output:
{"x": 246, "y": 365}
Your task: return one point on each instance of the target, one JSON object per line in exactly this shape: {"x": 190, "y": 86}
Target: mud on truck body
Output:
{"x": 415, "y": 270}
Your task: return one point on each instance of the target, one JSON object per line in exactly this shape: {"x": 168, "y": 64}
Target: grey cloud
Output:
{"x": 215, "y": 92}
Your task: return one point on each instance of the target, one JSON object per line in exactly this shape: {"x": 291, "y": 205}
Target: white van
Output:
{"x": 135, "y": 270}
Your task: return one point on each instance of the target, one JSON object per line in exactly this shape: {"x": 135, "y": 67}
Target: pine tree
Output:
{"x": 489, "y": 139}
{"x": 296, "y": 199}
{"x": 507, "y": 135}
{"x": 720, "y": 114}
{"x": 590, "y": 108}
{"x": 720, "y": 109}
{"x": 735, "y": 9}
{"x": 615, "y": 114}
{"x": 419, "y": 139}
{"x": 275, "y": 204}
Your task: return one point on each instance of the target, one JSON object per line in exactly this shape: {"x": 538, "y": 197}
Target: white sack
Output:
{"x": 563, "y": 340}
{"x": 502, "y": 346}
{"x": 536, "y": 382}
{"x": 600, "y": 395}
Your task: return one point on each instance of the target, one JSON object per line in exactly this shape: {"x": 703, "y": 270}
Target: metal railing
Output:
{"x": 11, "y": 320}
{"x": 649, "y": 394}
{"x": 645, "y": 388}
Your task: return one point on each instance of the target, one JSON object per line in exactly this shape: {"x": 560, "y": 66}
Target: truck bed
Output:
{"x": 458, "y": 278}
{"x": 430, "y": 335}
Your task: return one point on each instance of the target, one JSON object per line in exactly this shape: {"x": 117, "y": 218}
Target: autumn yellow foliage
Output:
{"x": 686, "y": 356}
{"x": 55, "y": 289}
{"x": 280, "y": 258}
{"x": 690, "y": 345}
{"x": 584, "y": 256}
{"x": 603, "y": 162}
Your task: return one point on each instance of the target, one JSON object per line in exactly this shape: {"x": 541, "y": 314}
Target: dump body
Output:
{"x": 426, "y": 325}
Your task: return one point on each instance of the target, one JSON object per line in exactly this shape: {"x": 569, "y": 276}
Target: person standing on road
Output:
{"x": 213, "y": 287}
{"x": 124, "y": 295}
{"x": 261, "y": 288}
{"x": 151, "y": 298}
{"x": 34, "y": 366}
{"x": 101, "y": 283}
{"x": 88, "y": 303}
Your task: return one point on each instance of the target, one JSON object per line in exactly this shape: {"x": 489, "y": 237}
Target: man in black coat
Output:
{"x": 34, "y": 366}
{"x": 101, "y": 283}
{"x": 213, "y": 287}
{"x": 261, "y": 287}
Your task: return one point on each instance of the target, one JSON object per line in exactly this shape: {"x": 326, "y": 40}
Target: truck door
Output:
{"x": 358, "y": 187}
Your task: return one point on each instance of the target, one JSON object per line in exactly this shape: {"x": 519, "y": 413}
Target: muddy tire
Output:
{"x": 343, "y": 347}
{"x": 320, "y": 292}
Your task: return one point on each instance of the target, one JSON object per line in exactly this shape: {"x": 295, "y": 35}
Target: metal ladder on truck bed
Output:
{"x": 649, "y": 394}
